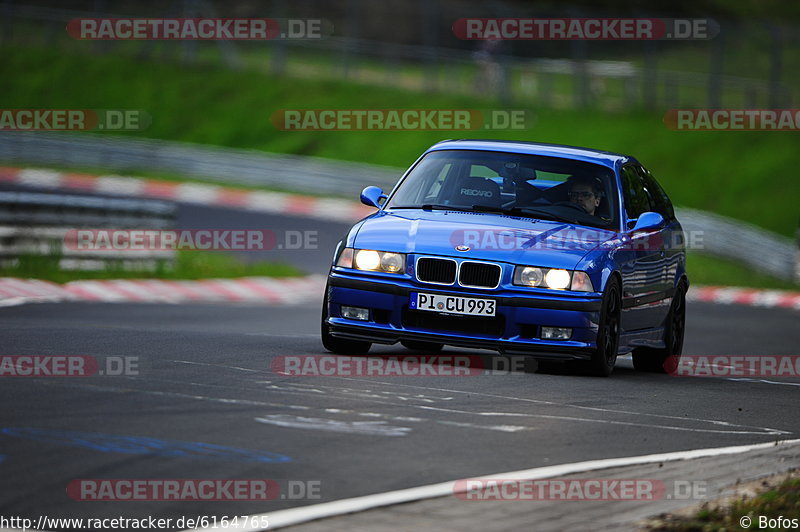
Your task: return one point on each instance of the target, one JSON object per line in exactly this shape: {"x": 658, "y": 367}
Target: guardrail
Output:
{"x": 246, "y": 167}
{"x": 33, "y": 224}
{"x": 760, "y": 249}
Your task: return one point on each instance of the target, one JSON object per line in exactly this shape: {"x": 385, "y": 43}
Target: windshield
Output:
{"x": 548, "y": 188}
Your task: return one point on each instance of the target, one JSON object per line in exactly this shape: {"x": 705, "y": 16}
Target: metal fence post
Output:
{"x": 650, "y": 79}
{"x": 580, "y": 75}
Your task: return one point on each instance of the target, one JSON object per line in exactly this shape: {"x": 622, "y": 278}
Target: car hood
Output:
{"x": 489, "y": 236}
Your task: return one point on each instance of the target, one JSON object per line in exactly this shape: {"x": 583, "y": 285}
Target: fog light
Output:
{"x": 556, "y": 333}
{"x": 355, "y": 313}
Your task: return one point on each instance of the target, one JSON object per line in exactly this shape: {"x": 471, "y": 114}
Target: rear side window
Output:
{"x": 658, "y": 198}
{"x": 636, "y": 199}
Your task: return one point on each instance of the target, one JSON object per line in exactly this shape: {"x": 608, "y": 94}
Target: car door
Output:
{"x": 673, "y": 237}
{"x": 643, "y": 274}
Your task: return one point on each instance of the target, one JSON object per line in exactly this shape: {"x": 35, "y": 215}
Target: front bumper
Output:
{"x": 514, "y": 330}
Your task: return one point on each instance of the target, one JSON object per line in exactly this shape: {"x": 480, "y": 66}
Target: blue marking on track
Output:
{"x": 113, "y": 443}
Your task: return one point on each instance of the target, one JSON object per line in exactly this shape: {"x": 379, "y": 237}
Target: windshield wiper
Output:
{"x": 546, "y": 215}
{"x": 432, "y": 207}
{"x": 516, "y": 211}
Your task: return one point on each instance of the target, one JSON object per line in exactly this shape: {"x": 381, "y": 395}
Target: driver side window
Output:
{"x": 636, "y": 200}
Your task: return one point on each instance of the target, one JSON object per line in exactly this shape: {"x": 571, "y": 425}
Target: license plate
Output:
{"x": 469, "y": 306}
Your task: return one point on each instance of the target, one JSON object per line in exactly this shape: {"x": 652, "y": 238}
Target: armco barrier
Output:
{"x": 33, "y": 224}
{"x": 758, "y": 248}
{"x": 248, "y": 167}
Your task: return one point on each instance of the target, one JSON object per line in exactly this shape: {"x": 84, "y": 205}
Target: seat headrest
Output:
{"x": 478, "y": 191}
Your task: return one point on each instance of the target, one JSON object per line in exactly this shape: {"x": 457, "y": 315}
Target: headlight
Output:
{"x": 528, "y": 276}
{"x": 392, "y": 262}
{"x": 366, "y": 259}
{"x": 555, "y": 278}
{"x": 371, "y": 260}
{"x": 558, "y": 279}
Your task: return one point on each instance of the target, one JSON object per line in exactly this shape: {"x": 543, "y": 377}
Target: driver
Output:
{"x": 586, "y": 192}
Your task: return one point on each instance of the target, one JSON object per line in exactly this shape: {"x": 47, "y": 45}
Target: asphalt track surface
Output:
{"x": 205, "y": 379}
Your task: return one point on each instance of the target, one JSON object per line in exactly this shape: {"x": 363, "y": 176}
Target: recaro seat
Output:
{"x": 477, "y": 191}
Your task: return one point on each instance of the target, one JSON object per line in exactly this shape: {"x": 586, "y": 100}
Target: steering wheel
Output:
{"x": 570, "y": 204}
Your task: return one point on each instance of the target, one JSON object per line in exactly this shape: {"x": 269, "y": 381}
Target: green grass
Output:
{"x": 745, "y": 175}
{"x": 705, "y": 269}
{"x": 191, "y": 264}
{"x": 782, "y": 501}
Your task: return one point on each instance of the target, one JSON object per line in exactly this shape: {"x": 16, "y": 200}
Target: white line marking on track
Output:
{"x": 378, "y": 398}
{"x": 769, "y": 432}
{"x": 14, "y": 301}
{"x": 764, "y": 381}
{"x": 215, "y": 365}
{"x": 295, "y": 516}
{"x": 498, "y": 428}
{"x": 369, "y": 428}
{"x": 553, "y": 403}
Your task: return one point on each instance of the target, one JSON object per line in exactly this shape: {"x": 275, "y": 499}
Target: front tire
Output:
{"x": 340, "y": 346}
{"x": 605, "y": 355}
{"x": 664, "y": 360}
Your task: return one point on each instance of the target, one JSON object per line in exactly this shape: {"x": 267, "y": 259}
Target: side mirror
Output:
{"x": 373, "y": 196}
{"x": 649, "y": 221}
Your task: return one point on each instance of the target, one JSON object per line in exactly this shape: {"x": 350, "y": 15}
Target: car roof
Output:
{"x": 605, "y": 158}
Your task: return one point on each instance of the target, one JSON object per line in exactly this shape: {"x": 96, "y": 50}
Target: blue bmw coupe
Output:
{"x": 556, "y": 252}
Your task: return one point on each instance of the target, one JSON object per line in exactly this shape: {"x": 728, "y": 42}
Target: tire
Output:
{"x": 605, "y": 355}
{"x": 340, "y": 346}
{"x": 665, "y": 360}
{"x": 426, "y": 347}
